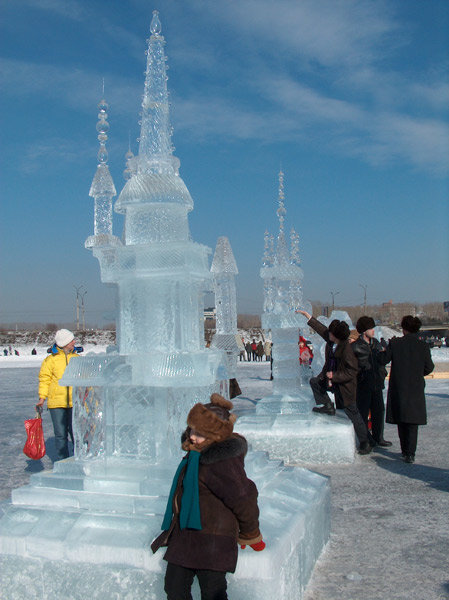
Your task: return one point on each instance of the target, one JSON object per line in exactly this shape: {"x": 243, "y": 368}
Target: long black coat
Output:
{"x": 410, "y": 361}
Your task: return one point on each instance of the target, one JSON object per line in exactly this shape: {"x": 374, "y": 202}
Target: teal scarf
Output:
{"x": 189, "y": 517}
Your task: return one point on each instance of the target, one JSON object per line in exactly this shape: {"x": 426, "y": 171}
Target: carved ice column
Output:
{"x": 224, "y": 270}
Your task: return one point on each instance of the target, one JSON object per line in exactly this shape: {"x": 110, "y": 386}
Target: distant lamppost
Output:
{"x": 333, "y": 294}
{"x": 364, "y": 287}
{"x": 79, "y": 302}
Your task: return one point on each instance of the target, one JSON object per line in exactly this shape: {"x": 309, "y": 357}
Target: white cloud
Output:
{"x": 328, "y": 32}
{"x": 77, "y": 88}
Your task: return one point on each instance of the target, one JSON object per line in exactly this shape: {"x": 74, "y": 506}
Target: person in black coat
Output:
{"x": 370, "y": 379}
{"x": 406, "y": 401}
{"x": 339, "y": 375}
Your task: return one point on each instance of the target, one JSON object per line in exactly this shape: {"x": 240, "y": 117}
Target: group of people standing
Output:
{"x": 354, "y": 371}
{"x": 255, "y": 351}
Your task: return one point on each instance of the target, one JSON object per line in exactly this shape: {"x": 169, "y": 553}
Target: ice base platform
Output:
{"x": 286, "y": 428}
{"x": 84, "y": 530}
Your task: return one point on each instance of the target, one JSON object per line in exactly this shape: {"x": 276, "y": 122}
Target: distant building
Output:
{"x": 210, "y": 313}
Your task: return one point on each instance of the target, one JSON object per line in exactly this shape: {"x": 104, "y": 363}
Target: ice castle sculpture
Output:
{"x": 224, "y": 271}
{"x": 285, "y": 418}
{"x": 83, "y": 530}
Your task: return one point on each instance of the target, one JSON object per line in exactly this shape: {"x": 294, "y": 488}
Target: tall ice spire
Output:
{"x": 155, "y": 145}
{"x": 281, "y": 251}
{"x": 102, "y": 188}
{"x": 155, "y": 194}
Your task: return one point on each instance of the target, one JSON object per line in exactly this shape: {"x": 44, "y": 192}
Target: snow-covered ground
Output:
{"x": 440, "y": 354}
{"x": 390, "y": 526}
{"x": 26, "y": 359}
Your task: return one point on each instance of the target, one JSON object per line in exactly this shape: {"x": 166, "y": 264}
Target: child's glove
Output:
{"x": 258, "y": 547}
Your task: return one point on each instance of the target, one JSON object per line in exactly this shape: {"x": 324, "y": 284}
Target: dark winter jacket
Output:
{"x": 346, "y": 368}
{"x": 410, "y": 362}
{"x": 228, "y": 507}
{"x": 372, "y": 371}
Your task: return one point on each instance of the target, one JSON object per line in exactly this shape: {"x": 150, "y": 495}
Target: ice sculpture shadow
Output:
{"x": 432, "y": 476}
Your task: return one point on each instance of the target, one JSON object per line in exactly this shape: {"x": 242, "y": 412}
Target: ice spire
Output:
{"x": 154, "y": 178}
{"x": 102, "y": 188}
{"x": 281, "y": 250}
{"x": 294, "y": 248}
{"x": 128, "y": 172}
{"x": 155, "y": 145}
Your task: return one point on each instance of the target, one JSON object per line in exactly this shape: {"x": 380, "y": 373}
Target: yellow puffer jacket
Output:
{"x": 52, "y": 370}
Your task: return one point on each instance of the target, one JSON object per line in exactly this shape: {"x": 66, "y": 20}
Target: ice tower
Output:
{"x": 285, "y": 418}
{"x": 224, "y": 271}
{"x": 160, "y": 274}
{"x": 84, "y": 529}
{"x": 102, "y": 188}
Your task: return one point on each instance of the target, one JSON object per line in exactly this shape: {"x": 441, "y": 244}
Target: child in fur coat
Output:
{"x": 212, "y": 505}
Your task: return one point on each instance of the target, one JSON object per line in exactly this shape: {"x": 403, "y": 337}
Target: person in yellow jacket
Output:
{"x": 59, "y": 398}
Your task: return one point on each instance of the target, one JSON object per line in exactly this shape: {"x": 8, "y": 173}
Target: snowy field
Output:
{"x": 390, "y": 520}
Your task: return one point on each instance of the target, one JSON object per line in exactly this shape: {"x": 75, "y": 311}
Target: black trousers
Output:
{"x": 408, "y": 436}
{"x": 178, "y": 583}
{"x": 321, "y": 396}
{"x": 320, "y": 392}
{"x": 370, "y": 398}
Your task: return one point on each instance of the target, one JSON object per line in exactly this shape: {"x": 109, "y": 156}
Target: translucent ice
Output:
{"x": 84, "y": 529}
{"x": 224, "y": 271}
{"x": 293, "y": 432}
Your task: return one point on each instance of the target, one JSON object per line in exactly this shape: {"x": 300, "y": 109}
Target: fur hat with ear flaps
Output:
{"x": 213, "y": 420}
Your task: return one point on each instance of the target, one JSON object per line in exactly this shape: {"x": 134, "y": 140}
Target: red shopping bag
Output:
{"x": 35, "y": 445}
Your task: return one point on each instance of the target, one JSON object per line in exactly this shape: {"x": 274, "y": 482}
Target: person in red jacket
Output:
{"x": 305, "y": 353}
{"x": 212, "y": 505}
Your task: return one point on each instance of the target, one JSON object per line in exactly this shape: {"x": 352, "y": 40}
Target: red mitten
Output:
{"x": 259, "y": 546}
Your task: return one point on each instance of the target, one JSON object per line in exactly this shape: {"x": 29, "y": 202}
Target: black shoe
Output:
{"x": 365, "y": 448}
{"x": 326, "y": 409}
{"x": 409, "y": 458}
{"x": 384, "y": 443}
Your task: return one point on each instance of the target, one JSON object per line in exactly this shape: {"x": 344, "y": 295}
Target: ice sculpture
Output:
{"x": 83, "y": 530}
{"x": 102, "y": 188}
{"x": 284, "y": 423}
{"x": 224, "y": 271}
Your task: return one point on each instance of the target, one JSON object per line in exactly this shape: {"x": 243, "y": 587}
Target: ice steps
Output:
{"x": 62, "y": 543}
{"x": 39, "y": 496}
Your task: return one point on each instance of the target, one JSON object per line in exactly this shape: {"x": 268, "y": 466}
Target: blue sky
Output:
{"x": 350, "y": 97}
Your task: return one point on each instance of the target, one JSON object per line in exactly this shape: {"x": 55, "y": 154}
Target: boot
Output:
{"x": 325, "y": 409}
{"x": 409, "y": 458}
{"x": 365, "y": 448}
{"x": 383, "y": 443}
